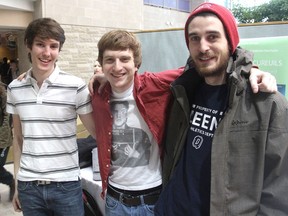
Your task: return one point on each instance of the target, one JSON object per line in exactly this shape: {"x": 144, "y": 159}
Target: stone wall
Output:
{"x": 80, "y": 50}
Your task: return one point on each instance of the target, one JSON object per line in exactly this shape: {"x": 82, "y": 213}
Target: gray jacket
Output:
{"x": 249, "y": 159}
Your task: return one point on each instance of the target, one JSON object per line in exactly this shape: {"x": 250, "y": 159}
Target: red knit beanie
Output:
{"x": 226, "y": 18}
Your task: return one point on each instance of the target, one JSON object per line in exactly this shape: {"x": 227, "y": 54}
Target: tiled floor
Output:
{"x": 6, "y": 208}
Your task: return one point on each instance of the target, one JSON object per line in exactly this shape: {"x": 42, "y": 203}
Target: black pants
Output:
{"x": 5, "y": 176}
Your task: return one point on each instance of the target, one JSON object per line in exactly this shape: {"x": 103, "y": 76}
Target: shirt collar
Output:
{"x": 53, "y": 76}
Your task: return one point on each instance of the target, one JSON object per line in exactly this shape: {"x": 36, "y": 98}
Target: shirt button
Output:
{"x": 107, "y": 165}
{"x": 109, "y": 133}
{"x": 108, "y": 150}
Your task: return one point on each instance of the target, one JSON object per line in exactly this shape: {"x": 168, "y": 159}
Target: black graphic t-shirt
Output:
{"x": 188, "y": 192}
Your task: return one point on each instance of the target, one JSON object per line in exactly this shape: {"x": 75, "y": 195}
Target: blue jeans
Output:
{"x": 55, "y": 199}
{"x": 114, "y": 207}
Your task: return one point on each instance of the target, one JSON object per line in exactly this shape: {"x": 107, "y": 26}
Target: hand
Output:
{"x": 21, "y": 76}
{"x": 16, "y": 203}
{"x": 262, "y": 81}
{"x": 97, "y": 77}
{"x": 129, "y": 151}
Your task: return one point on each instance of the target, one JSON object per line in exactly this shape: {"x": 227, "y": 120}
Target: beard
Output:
{"x": 216, "y": 70}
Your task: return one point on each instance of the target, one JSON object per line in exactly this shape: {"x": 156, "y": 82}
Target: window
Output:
{"x": 181, "y": 5}
{"x": 170, "y": 4}
{"x": 184, "y": 5}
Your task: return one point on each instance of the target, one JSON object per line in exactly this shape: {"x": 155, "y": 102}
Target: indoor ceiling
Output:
{"x": 21, "y": 5}
{"x": 18, "y": 5}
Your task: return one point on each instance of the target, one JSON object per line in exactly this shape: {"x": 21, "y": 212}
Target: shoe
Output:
{"x": 12, "y": 191}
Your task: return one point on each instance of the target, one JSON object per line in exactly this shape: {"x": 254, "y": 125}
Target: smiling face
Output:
{"x": 44, "y": 54}
{"x": 209, "y": 48}
{"x": 119, "y": 69}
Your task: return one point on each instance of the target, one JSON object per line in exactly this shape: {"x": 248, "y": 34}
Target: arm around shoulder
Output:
{"x": 262, "y": 81}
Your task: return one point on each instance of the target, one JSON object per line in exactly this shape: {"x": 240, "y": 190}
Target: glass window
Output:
{"x": 181, "y": 5}
{"x": 156, "y": 2}
{"x": 184, "y": 5}
{"x": 170, "y": 4}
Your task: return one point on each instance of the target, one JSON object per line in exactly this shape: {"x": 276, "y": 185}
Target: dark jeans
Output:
{"x": 5, "y": 176}
{"x": 55, "y": 199}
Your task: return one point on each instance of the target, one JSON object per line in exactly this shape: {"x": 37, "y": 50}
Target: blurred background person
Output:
{"x": 4, "y": 69}
{"x": 5, "y": 142}
{"x": 14, "y": 70}
{"x": 97, "y": 68}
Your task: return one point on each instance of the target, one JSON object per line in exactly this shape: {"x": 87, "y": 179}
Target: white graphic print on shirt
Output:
{"x": 203, "y": 121}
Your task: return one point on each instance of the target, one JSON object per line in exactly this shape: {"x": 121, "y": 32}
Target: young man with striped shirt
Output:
{"x": 45, "y": 107}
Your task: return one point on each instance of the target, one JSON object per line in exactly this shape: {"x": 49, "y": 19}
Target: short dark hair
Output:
{"x": 44, "y": 28}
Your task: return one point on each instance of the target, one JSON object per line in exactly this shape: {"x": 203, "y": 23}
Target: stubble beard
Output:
{"x": 215, "y": 71}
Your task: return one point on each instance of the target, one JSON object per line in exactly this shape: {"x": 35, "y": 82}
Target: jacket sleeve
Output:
{"x": 242, "y": 59}
{"x": 163, "y": 78}
{"x": 274, "y": 198}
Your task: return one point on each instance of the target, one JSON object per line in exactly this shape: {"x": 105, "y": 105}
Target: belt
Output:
{"x": 130, "y": 200}
{"x": 42, "y": 182}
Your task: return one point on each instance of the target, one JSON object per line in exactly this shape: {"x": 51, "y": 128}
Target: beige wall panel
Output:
{"x": 111, "y": 14}
{"x": 15, "y": 19}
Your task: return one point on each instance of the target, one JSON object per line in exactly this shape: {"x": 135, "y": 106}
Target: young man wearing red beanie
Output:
{"x": 226, "y": 150}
